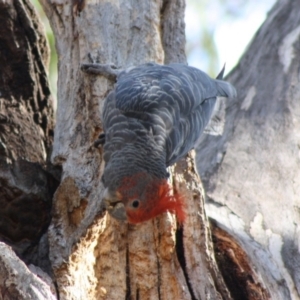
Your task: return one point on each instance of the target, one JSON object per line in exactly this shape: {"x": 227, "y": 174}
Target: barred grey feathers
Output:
{"x": 155, "y": 115}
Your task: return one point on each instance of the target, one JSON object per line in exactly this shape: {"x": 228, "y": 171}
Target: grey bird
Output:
{"x": 154, "y": 115}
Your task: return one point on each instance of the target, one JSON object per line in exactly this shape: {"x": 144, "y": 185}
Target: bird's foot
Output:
{"x": 110, "y": 71}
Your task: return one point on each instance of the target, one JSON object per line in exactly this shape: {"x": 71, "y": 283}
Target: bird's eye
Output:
{"x": 135, "y": 203}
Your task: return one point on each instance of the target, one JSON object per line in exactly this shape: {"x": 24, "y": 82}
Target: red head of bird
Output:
{"x": 141, "y": 197}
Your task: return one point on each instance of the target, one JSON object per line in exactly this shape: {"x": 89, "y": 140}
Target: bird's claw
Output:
{"x": 109, "y": 71}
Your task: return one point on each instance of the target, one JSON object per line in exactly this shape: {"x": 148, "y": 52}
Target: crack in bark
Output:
{"x": 128, "y": 289}
{"x": 158, "y": 269}
{"x": 181, "y": 258}
{"x": 172, "y": 30}
{"x": 56, "y": 290}
{"x": 163, "y": 7}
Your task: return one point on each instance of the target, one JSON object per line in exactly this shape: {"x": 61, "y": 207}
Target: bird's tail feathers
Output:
{"x": 225, "y": 89}
{"x": 221, "y": 74}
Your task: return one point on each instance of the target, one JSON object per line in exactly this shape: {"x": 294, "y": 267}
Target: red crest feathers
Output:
{"x": 154, "y": 198}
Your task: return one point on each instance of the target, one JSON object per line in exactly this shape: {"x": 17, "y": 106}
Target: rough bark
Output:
{"x": 26, "y": 132}
{"x": 94, "y": 256}
{"x": 251, "y": 173}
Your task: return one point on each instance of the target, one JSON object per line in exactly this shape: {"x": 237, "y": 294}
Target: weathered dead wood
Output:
{"x": 17, "y": 281}
{"x": 252, "y": 172}
{"x": 237, "y": 270}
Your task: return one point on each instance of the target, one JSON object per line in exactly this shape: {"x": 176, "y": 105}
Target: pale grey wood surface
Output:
{"x": 252, "y": 172}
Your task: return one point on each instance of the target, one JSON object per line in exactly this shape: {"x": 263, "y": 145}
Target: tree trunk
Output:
{"x": 26, "y": 133}
{"x": 252, "y": 172}
{"x": 96, "y": 257}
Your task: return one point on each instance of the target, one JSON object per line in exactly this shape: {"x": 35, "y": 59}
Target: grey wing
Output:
{"x": 120, "y": 129}
{"x": 174, "y": 101}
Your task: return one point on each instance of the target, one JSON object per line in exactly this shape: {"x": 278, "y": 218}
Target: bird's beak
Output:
{"x": 114, "y": 206}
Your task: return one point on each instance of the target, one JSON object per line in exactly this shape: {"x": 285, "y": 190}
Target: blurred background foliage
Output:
{"x": 52, "y": 70}
{"x": 217, "y": 32}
